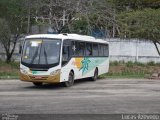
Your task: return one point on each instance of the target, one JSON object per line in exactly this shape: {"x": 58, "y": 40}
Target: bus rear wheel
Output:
{"x": 70, "y": 81}
{"x": 94, "y": 78}
{"x": 37, "y": 83}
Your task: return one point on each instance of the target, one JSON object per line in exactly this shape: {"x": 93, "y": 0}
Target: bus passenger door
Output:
{"x": 66, "y": 57}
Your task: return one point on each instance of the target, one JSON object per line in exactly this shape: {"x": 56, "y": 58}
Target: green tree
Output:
{"x": 5, "y": 40}
{"x": 126, "y": 5}
{"x": 142, "y": 24}
{"x": 13, "y": 14}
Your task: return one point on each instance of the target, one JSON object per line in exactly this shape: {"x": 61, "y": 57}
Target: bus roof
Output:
{"x": 68, "y": 36}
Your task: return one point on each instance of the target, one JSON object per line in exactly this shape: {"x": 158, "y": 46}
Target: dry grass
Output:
{"x": 139, "y": 70}
{"x": 11, "y": 69}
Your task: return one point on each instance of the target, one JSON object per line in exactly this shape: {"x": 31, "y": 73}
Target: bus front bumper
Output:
{"x": 40, "y": 78}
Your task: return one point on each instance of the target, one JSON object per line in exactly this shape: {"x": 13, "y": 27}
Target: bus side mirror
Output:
{"x": 20, "y": 49}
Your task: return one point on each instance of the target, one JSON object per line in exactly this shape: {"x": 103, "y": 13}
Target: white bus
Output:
{"x": 62, "y": 58}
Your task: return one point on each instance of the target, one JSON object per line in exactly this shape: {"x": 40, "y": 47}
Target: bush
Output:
{"x": 151, "y": 63}
{"x": 130, "y": 64}
{"x": 114, "y": 63}
{"x": 12, "y": 64}
{"x": 140, "y": 64}
{"x": 15, "y": 65}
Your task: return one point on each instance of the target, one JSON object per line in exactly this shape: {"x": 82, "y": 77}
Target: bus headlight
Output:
{"x": 55, "y": 72}
{"x": 24, "y": 71}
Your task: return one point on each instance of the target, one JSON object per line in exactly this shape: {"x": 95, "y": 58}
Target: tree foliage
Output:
{"x": 5, "y": 35}
{"x": 142, "y": 24}
{"x": 139, "y": 19}
{"x": 94, "y": 13}
{"x": 12, "y": 24}
{"x": 125, "y": 5}
{"x": 15, "y": 14}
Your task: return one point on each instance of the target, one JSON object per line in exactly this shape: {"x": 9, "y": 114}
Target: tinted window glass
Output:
{"x": 81, "y": 48}
{"x": 101, "y": 50}
{"x": 48, "y": 54}
{"x": 41, "y": 52}
{"x": 88, "y": 49}
{"x": 95, "y": 49}
{"x": 78, "y": 48}
{"x": 66, "y": 52}
{"x": 106, "y": 50}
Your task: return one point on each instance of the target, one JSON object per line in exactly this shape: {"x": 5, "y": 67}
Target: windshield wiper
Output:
{"x": 45, "y": 54}
{"x": 35, "y": 55}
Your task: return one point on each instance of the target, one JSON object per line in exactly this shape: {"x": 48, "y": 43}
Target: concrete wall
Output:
{"x": 120, "y": 50}
{"x": 133, "y": 50}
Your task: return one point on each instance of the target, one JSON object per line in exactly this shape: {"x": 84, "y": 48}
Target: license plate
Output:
{"x": 37, "y": 77}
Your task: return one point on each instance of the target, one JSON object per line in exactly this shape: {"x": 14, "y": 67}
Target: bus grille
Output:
{"x": 38, "y": 77}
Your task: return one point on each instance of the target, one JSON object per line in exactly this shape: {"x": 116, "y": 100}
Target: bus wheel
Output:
{"x": 70, "y": 81}
{"x": 94, "y": 78}
{"x": 37, "y": 83}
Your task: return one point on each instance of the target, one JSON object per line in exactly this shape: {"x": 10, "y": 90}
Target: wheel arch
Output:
{"x": 72, "y": 72}
{"x": 97, "y": 70}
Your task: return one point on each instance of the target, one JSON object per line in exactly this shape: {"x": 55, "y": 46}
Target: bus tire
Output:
{"x": 94, "y": 78}
{"x": 70, "y": 81}
{"x": 37, "y": 83}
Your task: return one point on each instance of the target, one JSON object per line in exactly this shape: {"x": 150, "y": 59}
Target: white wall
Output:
{"x": 133, "y": 50}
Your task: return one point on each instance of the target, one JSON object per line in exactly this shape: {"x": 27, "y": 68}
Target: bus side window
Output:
{"x": 78, "y": 48}
{"x": 88, "y": 49}
{"x": 95, "y": 49}
{"x": 101, "y": 51}
{"x": 106, "y": 50}
{"x": 81, "y": 48}
{"x": 66, "y": 51}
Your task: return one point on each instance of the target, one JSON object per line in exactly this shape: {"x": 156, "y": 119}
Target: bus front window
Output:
{"x": 41, "y": 52}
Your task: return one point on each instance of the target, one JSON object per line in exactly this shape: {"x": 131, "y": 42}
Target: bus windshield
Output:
{"x": 41, "y": 51}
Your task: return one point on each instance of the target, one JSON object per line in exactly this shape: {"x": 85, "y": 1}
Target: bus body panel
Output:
{"x": 84, "y": 67}
{"x": 40, "y": 76}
